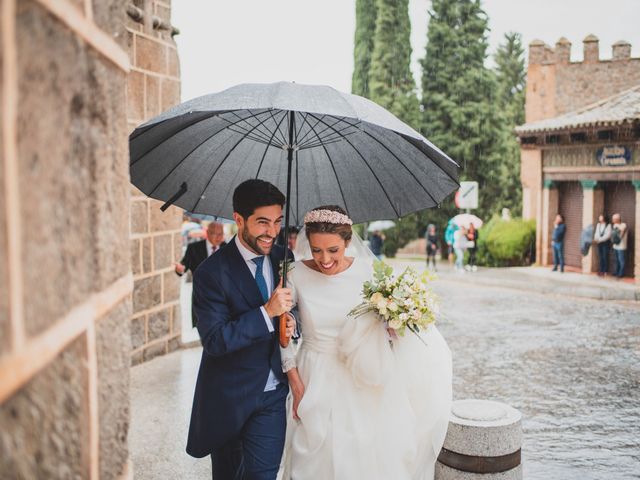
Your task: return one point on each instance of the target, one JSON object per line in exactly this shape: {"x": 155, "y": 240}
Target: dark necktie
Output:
{"x": 260, "y": 280}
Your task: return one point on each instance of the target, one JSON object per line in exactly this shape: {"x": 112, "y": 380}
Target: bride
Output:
{"x": 362, "y": 408}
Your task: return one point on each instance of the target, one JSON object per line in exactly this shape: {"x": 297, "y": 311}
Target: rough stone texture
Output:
{"x": 171, "y": 287}
{"x": 110, "y": 17}
{"x": 162, "y": 251}
{"x": 154, "y": 350}
{"x": 44, "y": 427}
{"x": 5, "y": 330}
{"x": 151, "y": 55}
{"x": 158, "y": 325}
{"x": 173, "y": 344}
{"x": 176, "y": 319}
{"x": 136, "y": 256}
{"x": 170, "y": 219}
{"x": 72, "y": 150}
{"x": 484, "y": 434}
{"x": 152, "y": 84}
{"x": 146, "y": 255}
{"x": 113, "y": 349}
{"x": 139, "y": 217}
{"x": 170, "y": 93}
{"x": 135, "y": 95}
{"x": 174, "y": 63}
{"x": 146, "y": 293}
{"x": 138, "y": 336}
{"x": 447, "y": 473}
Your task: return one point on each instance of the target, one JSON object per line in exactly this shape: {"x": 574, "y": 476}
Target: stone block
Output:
{"x": 137, "y": 358}
{"x": 174, "y": 62}
{"x": 131, "y": 41}
{"x": 5, "y": 323}
{"x": 174, "y": 344}
{"x": 136, "y": 256}
{"x": 171, "y": 284}
{"x": 177, "y": 246}
{"x": 154, "y": 350}
{"x": 176, "y": 319}
{"x": 170, "y": 93}
{"x": 70, "y": 133}
{"x": 152, "y": 92}
{"x": 44, "y": 427}
{"x": 135, "y": 95}
{"x": 109, "y": 16}
{"x": 151, "y": 55}
{"x": 113, "y": 347}
{"x": 158, "y": 324}
{"x": 170, "y": 219}
{"x": 162, "y": 251}
{"x": 163, "y": 12}
{"x": 139, "y": 216}
{"x": 138, "y": 332}
{"x": 147, "y": 264}
{"x": 146, "y": 293}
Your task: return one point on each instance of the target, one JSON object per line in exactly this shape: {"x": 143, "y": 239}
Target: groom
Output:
{"x": 239, "y": 414}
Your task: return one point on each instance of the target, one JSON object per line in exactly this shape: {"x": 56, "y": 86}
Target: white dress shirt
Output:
{"x": 211, "y": 249}
{"x": 267, "y": 272}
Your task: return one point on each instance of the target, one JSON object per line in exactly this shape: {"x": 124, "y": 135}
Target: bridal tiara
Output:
{"x": 327, "y": 216}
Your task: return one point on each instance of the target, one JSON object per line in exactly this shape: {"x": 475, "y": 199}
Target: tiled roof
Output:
{"x": 615, "y": 110}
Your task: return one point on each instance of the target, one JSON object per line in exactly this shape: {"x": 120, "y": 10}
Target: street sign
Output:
{"x": 467, "y": 195}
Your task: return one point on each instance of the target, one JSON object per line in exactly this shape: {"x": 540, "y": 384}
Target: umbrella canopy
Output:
{"x": 334, "y": 147}
{"x": 380, "y": 225}
{"x": 466, "y": 220}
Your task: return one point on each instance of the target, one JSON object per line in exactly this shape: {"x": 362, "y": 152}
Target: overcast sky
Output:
{"x": 223, "y": 43}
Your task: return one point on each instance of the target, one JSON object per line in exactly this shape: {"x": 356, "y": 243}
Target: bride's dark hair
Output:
{"x": 342, "y": 229}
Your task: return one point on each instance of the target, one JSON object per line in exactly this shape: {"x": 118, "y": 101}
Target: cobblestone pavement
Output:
{"x": 572, "y": 366}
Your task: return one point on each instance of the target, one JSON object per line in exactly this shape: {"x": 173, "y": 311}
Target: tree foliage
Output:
{"x": 391, "y": 83}
{"x": 363, "y": 46}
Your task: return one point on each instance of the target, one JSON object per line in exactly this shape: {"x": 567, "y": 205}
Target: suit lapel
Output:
{"x": 241, "y": 275}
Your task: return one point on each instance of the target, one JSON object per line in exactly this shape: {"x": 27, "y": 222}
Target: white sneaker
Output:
{"x": 474, "y": 269}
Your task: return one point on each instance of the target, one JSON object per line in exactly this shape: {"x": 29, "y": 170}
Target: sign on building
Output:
{"x": 613, "y": 156}
{"x": 467, "y": 195}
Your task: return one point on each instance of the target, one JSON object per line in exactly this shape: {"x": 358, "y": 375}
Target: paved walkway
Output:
{"x": 540, "y": 280}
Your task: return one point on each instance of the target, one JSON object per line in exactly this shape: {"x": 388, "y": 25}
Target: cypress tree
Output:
{"x": 391, "y": 83}
{"x": 363, "y": 46}
{"x": 511, "y": 78}
{"x": 460, "y": 109}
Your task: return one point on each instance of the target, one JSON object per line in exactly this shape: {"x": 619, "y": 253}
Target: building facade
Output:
{"x": 580, "y": 147}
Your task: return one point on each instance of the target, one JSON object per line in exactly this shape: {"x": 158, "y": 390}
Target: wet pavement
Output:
{"x": 570, "y": 365}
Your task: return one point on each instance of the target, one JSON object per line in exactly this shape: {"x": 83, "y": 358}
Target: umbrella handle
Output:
{"x": 284, "y": 340}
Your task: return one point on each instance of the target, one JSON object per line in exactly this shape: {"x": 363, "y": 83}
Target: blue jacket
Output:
{"x": 238, "y": 349}
{"x": 448, "y": 233}
{"x": 558, "y": 233}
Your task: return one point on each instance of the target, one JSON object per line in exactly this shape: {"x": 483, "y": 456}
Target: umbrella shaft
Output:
{"x": 288, "y": 200}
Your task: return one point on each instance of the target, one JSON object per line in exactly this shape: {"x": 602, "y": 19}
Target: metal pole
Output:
{"x": 283, "y": 318}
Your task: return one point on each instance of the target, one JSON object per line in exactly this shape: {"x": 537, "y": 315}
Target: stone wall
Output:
{"x": 555, "y": 85}
{"x": 65, "y": 273}
{"x": 153, "y": 86}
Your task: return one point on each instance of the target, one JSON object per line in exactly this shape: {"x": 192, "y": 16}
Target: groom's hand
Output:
{"x": 280, "y": 302}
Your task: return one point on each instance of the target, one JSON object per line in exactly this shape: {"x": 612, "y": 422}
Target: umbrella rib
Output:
{"x": 308, "y": 131}
{"x": 282, "y": 140}
{"x": 157, "y": 145}
{"x": 434, "y": 162}
{"x": 374, "y": 176}
{"x": 188, "y": 154}
{"x": 216, "y": 171}
{"x": 406, "y": 168}
{"x": 264, "y": 154}
{"x": 344, "y": 200}
{"x": 259, "y": 124}
{"x": 304, "y": 120}
{"x": 297, "y": 189}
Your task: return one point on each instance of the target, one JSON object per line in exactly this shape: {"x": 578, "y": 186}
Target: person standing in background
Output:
{"x": 557, "y": 242}
{"x": 376, "y": 244}
{"x": 472, "y": 247}
{"x": 452, "y": 227}
{"x": 602, "y": 238}
{"x": 459, "y": 246}
{"x": 619, "y": 236}
{"x": 432, "y": 245}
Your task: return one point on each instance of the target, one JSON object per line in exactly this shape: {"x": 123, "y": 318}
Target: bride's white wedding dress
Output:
{"x": 369, "y": 410}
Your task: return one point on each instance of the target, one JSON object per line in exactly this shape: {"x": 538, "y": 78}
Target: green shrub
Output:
{"x": 506, "y": 243}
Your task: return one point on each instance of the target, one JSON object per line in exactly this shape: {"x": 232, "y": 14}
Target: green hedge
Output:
{"x": 504, "y": 243}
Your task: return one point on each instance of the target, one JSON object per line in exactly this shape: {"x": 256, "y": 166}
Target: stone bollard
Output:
{"x": 483, "y": 442}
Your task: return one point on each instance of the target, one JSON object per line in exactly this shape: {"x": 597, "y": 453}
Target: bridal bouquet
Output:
{"x": 402, "y": 302}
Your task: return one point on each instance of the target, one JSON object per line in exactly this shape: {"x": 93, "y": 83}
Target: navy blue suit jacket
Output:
{"x": 238, "y": 349}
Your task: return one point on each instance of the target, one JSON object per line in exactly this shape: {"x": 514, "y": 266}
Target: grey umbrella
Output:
{"x": 320, "y": 145}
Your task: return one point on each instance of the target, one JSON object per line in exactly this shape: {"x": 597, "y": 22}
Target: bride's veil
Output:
{"x": 357, "y": 248}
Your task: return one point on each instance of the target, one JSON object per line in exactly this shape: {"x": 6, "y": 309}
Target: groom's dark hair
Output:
{"x": 255, "y": 193}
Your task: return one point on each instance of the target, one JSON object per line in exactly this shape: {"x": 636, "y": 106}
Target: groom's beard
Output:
{"x": 253, "y": 242}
